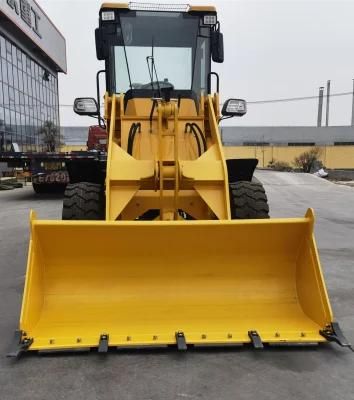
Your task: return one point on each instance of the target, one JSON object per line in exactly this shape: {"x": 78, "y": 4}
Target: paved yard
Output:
{"x": 287, "y": 373}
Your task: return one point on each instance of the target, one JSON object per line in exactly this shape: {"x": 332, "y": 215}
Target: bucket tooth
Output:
{"x": 19, "y": 344}
{"x": 255, "y": 339}
{"x": 103, "y": 343}
{"x": 181, "y": 341}
{"x": 333, "y": 333}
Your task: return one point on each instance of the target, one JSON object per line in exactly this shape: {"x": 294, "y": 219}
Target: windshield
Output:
{"x": 159, "y": 49}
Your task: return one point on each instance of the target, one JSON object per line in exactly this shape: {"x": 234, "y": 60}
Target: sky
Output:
{"x": 273, "y": 50}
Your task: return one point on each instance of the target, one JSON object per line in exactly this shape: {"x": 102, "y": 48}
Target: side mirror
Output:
{"x": 86, "y": 106}
{"x": 101, "y": 48}
{"x": 107, "y": 36}
{"x": 234, "y": 108}
{"x": 217, "y": 46}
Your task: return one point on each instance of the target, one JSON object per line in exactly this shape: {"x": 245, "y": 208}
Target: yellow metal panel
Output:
{"x": 142, "y": 107}
{"x": 115, "y": 5}
{"x": 215, "y": 136}
{"x": 111, "y": 141}
{"x": 126, "y": 168}
{"x": 202, "y": 8}
{"x": 33, "y": 298}
{"x": 318, "y": 308}
{"x": 203, "y": 170}
{"x": 211, "y": 195}
{"x": 120, "y": 196}
{"x": 140, "y": 282}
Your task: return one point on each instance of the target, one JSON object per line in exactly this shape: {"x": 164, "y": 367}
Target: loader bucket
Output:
{"x": 140, "y": 283}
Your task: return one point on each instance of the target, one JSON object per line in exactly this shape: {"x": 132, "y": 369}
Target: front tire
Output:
{"x": 48, "y": 188}
{"x": 83, "y": 201}
{"x": 248, "y": 200}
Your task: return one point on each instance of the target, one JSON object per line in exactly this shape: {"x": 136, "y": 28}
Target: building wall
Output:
{"x": 332, "y": 156}
{"x": 27, "y": 100}
{"x": 336, "y": 157}
{"x": 32, "y": 52}
{"x": 284, "y": 143}
{"x": 283, "y": 135}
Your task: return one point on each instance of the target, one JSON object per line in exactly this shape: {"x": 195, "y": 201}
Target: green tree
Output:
{"x": 51, "y": 136}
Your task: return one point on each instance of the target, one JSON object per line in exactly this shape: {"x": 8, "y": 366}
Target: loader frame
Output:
{"x": 190, "y": 276}
{"x": 198, "y": 187}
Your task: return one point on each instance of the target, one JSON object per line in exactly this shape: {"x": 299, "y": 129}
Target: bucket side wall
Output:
{"x": 310, "y": 283}
{"x": 33, "y": 297}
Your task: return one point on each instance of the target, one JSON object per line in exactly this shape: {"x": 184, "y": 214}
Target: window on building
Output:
{"x": 301, "y": 144}
{"x": 256, "y": 144}
{"x": 344, "y": 143}
{"x": 26, "y": 100}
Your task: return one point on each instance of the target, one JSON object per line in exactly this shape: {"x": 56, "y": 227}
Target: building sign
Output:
{"x": 27, "y": 13}
{"x": 32, "y": 20}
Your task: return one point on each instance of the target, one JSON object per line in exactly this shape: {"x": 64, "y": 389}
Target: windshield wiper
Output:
{"x": 153, "y": 69}
{"x": 125, "y": 55}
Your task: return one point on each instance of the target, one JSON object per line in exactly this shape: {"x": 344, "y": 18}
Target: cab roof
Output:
{"x": 145, "y": 6}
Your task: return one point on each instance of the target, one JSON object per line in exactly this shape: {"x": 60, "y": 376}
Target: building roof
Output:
{"x": 157, "y": 5}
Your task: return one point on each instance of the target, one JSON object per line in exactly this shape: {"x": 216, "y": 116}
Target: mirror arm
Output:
{"x": 101, "y": 122}
{"x": 225, "y": 117}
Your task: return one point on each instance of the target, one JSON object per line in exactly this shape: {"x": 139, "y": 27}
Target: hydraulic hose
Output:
{"x": 194, "y": 128}
{"x": 131, "y": 137}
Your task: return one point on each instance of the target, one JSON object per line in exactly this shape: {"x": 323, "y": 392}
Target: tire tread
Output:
{"x": 83, "y": 201}
{"x": 248, "y": 200}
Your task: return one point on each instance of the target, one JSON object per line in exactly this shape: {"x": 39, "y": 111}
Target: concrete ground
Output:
{"x": 323, "y": 373}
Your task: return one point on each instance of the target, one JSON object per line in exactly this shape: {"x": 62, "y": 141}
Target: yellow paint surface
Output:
{"x": 141, "y": 282}
{"x": 334, "y": 157}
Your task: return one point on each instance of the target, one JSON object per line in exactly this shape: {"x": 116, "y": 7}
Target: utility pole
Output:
{"x": 320, "y": 105}
{"x": 327, "y": 101}
{"x": 353, "y": 105}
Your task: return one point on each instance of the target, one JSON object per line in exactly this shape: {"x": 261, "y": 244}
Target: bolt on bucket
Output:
{"x": 141, "y": 283}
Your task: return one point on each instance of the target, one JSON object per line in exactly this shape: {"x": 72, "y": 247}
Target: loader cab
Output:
{"x": 163, "y": 51}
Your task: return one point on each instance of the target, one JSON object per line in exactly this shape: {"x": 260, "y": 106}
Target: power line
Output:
{"x": 266, "y": 101}
{"x": 282, "y": 100}
{"x": 37, "y": 105}
{"x": 296, "y": 98}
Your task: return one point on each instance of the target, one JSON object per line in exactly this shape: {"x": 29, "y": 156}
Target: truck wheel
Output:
{"x": 83, "y": 201}
{"x": 48, "y": 188}
{"x": 38, "y": 188}
{"x": 248, "y": 200}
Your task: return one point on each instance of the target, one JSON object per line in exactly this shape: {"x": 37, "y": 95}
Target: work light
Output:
{"x": 209, "y": 19}
{"x": 108, "y": 16}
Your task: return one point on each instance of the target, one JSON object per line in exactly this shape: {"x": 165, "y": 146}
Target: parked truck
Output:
{"x": 51, "y": 172}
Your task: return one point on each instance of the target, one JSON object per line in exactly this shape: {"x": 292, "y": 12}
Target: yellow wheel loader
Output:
{"x": 165, "y": 242}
